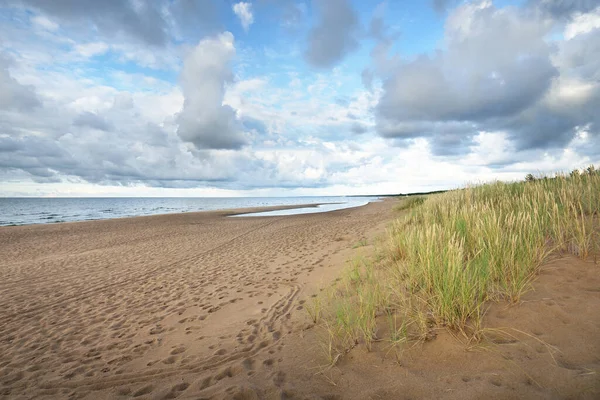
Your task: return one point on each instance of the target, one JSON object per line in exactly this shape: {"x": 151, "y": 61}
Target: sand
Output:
{"x": 199, "y": 306}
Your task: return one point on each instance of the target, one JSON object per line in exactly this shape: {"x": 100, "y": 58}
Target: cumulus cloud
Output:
{"x": 498, "y": 72}
{"x": 204, "y": 120}
{"x": 334, "y": 35}
{"x": 243, "y": 10}
{"x": 582, "y": 23}
{"x": 505, "y": 95}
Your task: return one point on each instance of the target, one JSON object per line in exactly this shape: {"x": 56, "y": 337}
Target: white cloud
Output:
{"x": 226, "y": 129}
{"x": 244, "y": 12}
{"x": 91, "y": 49}
{"x": 582, "y": 23}
{"x": 44, "y": 23}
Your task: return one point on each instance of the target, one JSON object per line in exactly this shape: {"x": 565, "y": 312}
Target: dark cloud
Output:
{"x": 450, "y": 144}
{"x": 579, "y": 56}
{"x": 334, "y": 35}
{"x": 572, "y": 103}
{"x": 427, "y": 89}
{"x": 564, "y": 8}
{"x": 92, "y": 120}
{"x": 34, "y": 155}
{"x": 416, "y": 129}
{"x": 497, "y": 73}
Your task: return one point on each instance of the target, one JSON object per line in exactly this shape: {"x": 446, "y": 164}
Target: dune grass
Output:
{"x": 456, "y": 251}
{"x": 410, "y": 202}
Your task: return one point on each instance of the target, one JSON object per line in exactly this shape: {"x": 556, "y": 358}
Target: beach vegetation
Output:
{"x": 410, "y": 202}
{"x": 361, "y": 243}
{"x": 455, "y": 252}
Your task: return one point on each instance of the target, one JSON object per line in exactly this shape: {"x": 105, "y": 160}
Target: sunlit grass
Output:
{"x": 410, "y": 202}
{"x": 455, "y": 251}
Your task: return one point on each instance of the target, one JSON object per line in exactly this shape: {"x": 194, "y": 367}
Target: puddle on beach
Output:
{"x": 307, "y": 210}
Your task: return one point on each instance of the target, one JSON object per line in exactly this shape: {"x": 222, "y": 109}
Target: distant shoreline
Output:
{"x": 230, "y": 211}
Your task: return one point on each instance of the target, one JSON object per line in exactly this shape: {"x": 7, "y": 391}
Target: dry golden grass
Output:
{"x": 456, "y": 251}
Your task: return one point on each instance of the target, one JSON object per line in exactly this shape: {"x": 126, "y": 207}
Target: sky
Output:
{"x": 293, "y": 97}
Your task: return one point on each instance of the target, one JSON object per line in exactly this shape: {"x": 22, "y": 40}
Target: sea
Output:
{"x": 25, "y": 211}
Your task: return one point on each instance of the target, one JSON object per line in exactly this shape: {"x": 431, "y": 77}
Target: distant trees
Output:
{"x": 591, "y": 170}
{"x": 529, "y": 178}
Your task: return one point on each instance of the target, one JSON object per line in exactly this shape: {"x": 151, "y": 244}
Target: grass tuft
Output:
{"x": 410, "y": 202}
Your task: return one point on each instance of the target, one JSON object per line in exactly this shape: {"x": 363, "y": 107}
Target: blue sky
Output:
{"x": 293, "y": 97}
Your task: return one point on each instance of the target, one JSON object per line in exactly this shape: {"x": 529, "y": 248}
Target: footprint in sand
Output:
{"x": 206, "y": 382}
{"x": 268, "y": 362}
{"x": 248, "y": 363}
{"x": 279, "y": 378}
{"x": 228, "y": 372}
{"x": 176, "y": 390}
{"x": 178, "y": 350}
{"x": 220, "y": 352}
{"x": 170, "y": 360}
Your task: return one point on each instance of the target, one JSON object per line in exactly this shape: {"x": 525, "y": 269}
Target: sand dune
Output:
{"x": 200, "y": 306}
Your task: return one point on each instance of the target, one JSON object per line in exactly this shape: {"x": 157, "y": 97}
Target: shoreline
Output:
{"x": 226, "y": 212}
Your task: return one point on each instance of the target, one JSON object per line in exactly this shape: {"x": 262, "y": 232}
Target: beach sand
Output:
{"x": 199, "y": 306}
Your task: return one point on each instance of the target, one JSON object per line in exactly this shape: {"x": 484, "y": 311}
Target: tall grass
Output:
{"x": 410, "y": 202}
{"x": 458, "y": 250}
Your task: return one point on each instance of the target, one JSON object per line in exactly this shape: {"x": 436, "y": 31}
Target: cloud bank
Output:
{"x": 318, "y": 97}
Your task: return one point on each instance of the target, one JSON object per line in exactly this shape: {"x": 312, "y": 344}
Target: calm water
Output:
{"x": 21, "y": 211}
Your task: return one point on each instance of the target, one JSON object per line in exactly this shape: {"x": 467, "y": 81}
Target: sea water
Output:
{"x": 23, "y": 211}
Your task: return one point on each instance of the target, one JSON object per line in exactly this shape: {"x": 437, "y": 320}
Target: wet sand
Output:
{"x": 201, "y": 306}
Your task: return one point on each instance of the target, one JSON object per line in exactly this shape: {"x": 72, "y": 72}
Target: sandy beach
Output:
{"x": 203, "y": 306}
{"x": 163, "y": 305}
